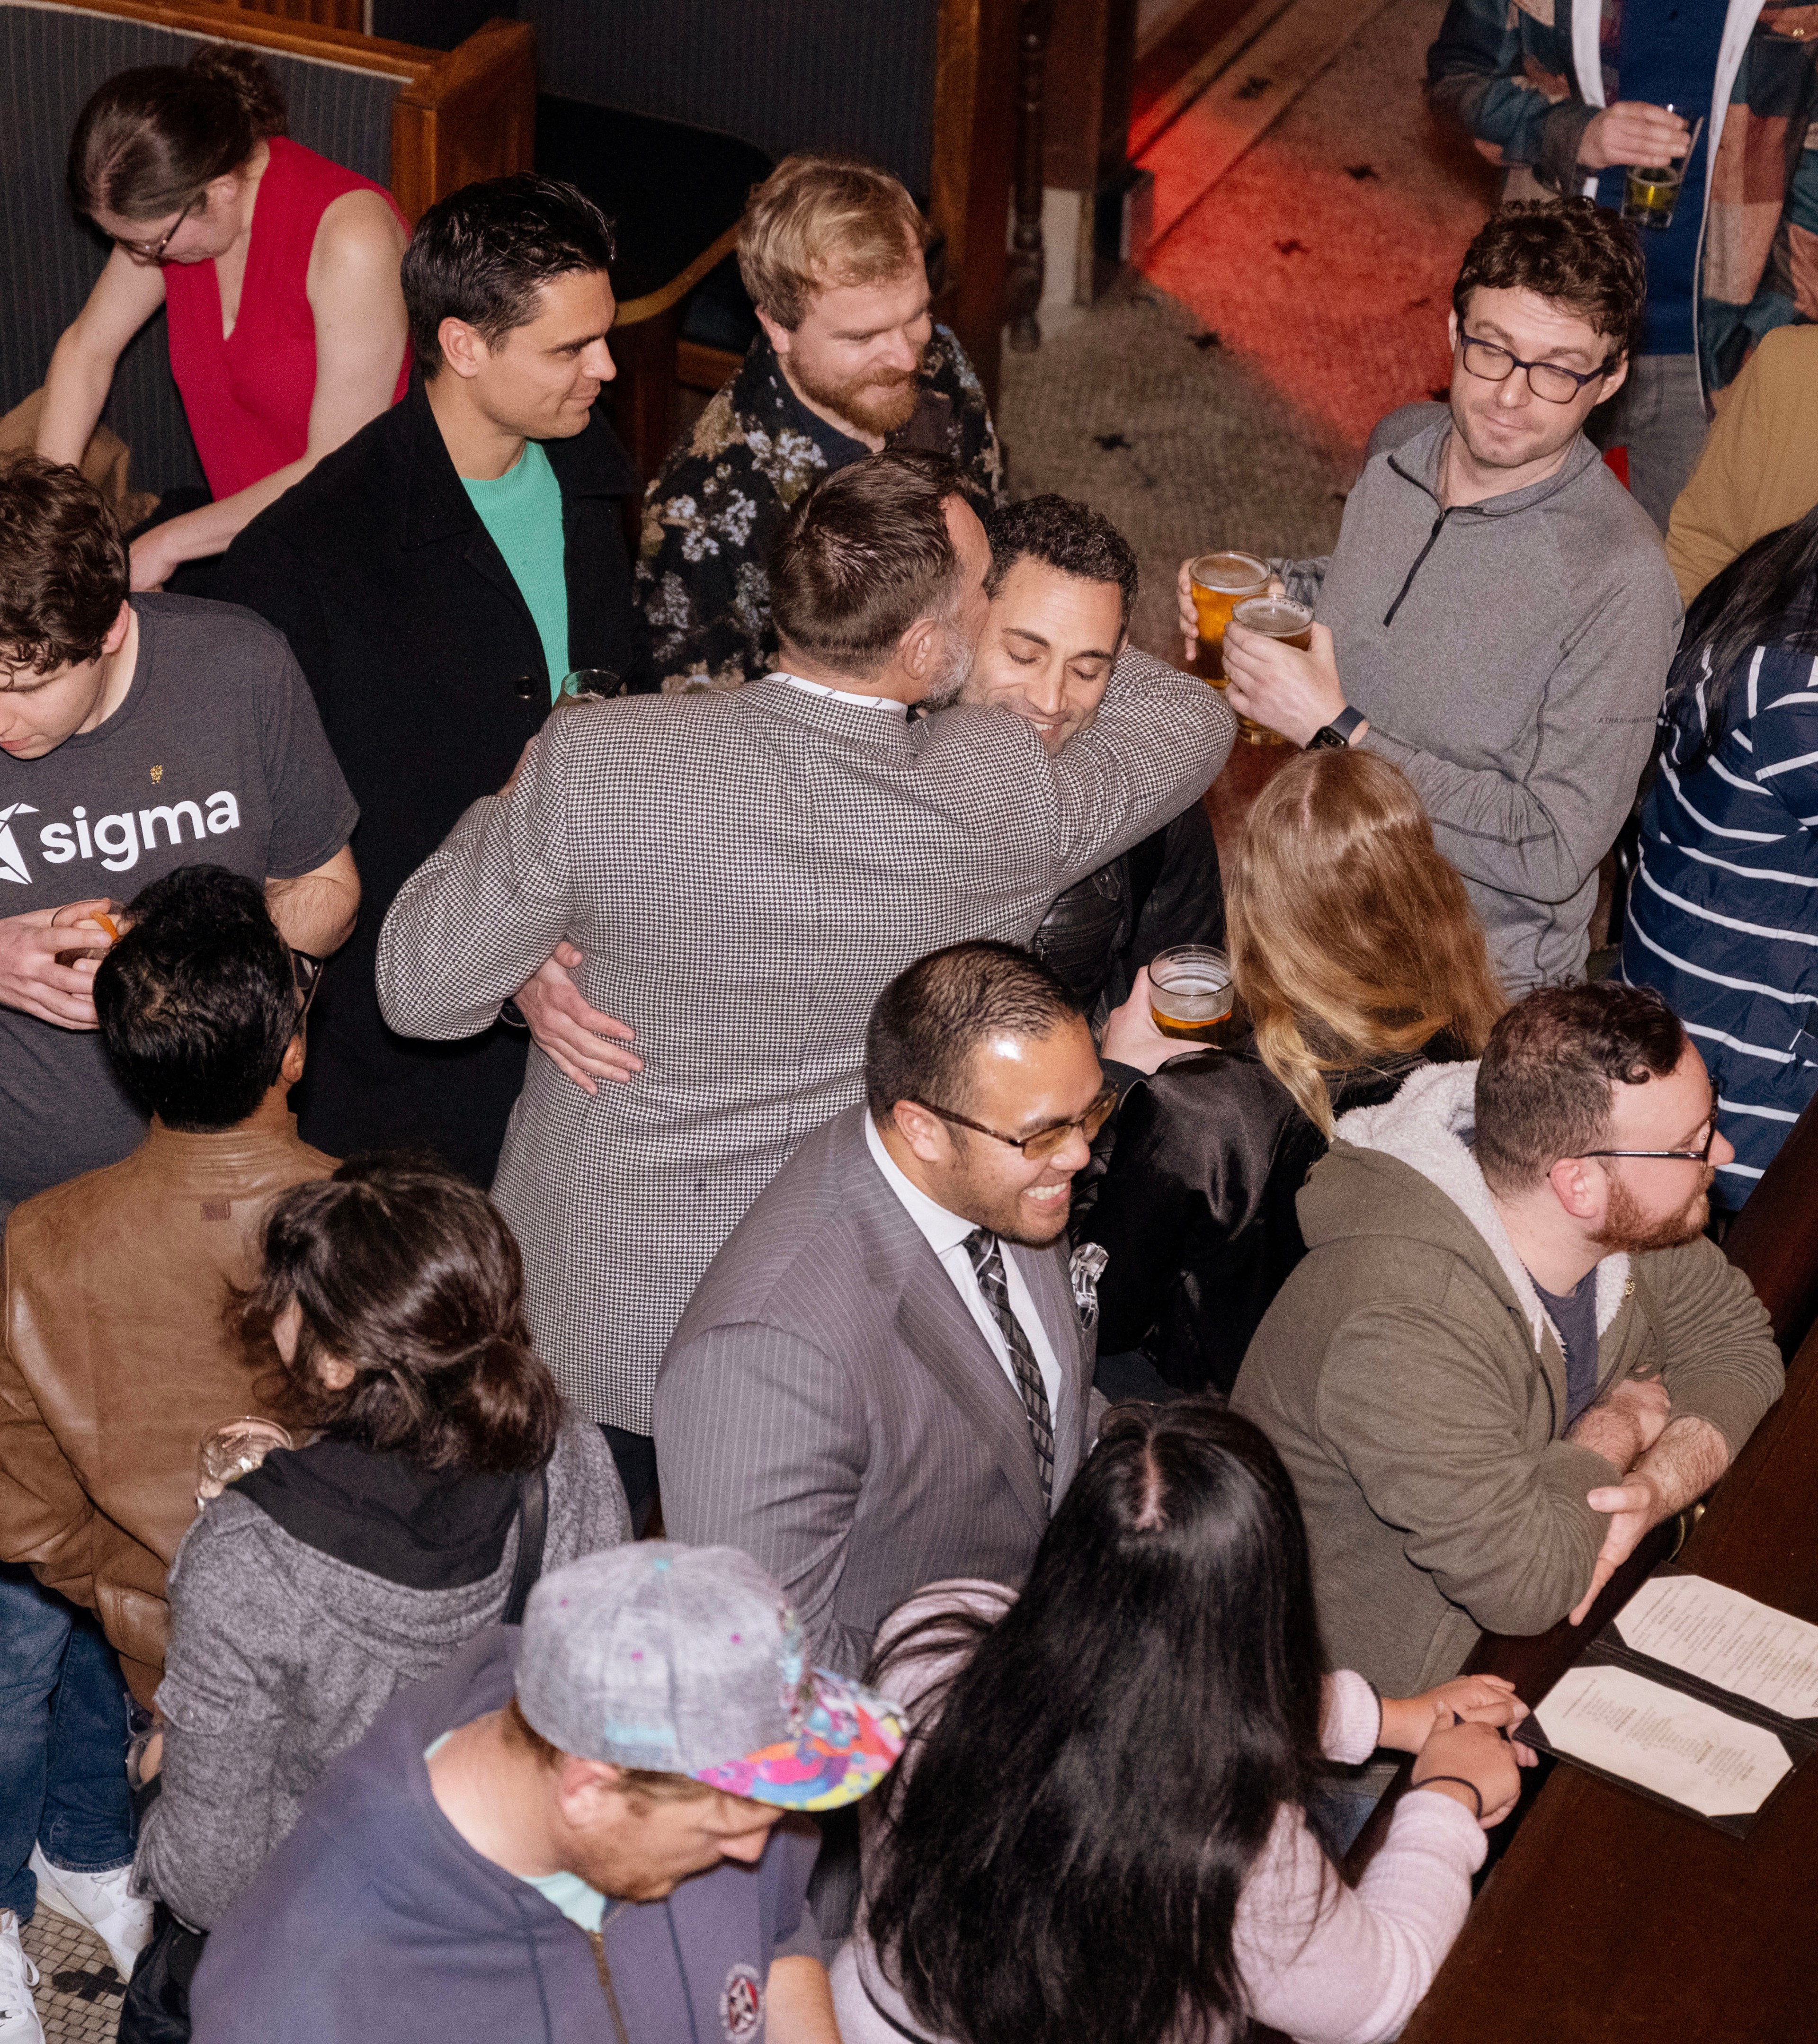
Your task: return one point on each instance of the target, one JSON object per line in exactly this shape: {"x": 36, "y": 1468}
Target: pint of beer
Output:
{"x": 1190, "y": 992}
{"x": 1651, "y": 197}
{"x": 1220, "y": 582}
{"x": 1278, "y": 617}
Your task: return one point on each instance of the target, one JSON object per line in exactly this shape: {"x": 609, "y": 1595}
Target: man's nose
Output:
{"x": 1073, "y": 1155}
{"x": 1723, "y": 1149}
{"x": 596, "y": 360}
{"x": 900, "y": 352}
{"x": 1047, "y": 694}
{"x": 1513, "y": 392}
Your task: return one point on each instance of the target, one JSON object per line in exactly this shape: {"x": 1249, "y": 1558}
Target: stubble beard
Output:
{"x": 1627, "y": 1229}
{"x": 876, "y": 403}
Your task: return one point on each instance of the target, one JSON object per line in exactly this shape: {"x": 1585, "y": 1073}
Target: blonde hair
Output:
{"x": 821, "y": 221}
{"x": 1351, "y": 939}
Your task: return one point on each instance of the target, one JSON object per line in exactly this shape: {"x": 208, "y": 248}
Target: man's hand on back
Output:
{"x": 583, "y": 1043}
{"x": 33, "y": 982}
{"x": 1682, "y": 1465}
{"x": 1625, "y": 1423}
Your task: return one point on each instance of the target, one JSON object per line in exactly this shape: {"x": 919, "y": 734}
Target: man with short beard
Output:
{"x": 738, "y": 875}
{"x": 848, "y": 361}
{"x": 1510, "y": 1350}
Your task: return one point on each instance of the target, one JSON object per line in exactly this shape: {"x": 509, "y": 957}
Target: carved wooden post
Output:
{"x": 1027, "y": 259}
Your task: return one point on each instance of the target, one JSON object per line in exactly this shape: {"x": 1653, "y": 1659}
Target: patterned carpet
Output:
{"x": 78, "y": 1995}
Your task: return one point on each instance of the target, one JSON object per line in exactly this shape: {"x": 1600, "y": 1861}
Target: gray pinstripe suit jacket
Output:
{"x": 829, "y": 1404}
{"x": 745, "y": 873}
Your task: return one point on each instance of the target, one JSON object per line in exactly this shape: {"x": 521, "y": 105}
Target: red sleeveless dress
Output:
{"x": 247, "y": 397}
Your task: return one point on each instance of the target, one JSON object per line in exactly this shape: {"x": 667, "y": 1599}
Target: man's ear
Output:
{"x": 117, "y": 631}
{"x": 1613, "y": 380}
{"x": 291, "y": 1069}
{"x": 919, "y": 648}
{"x": 926, "y": 1134}
{"x": 463, "y": 349}
{"x": 780, "y": 338}
{"x": 1579, "y": 1189}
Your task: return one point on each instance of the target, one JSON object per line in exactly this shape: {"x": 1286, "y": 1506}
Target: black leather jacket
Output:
{"x": 1163, "y": 891}
{"x": 1196, "y": 1207}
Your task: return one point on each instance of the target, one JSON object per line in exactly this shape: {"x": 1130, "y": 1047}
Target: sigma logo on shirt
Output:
{"x": 742, "y": 2004}
{"x": 116, "y": 841}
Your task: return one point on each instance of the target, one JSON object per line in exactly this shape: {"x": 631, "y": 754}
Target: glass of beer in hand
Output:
{"x": 1190, "y": 992}
{"x": 232, "y": 1448}
{"x": 1276, "y": 617}
{"x": 1650, "y": 192}
{"x": 1220, "y": 582}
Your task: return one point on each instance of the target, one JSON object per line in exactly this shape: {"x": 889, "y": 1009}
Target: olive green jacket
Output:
{"x": 1416, "y": 1390}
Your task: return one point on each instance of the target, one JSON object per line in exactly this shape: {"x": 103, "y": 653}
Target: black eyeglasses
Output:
{"x": 1551, "y": 380}
{"x": 1684, "y": 1156}
{"x": 1045, "y": 1142}
{"x": 153, "y": 252}
{"x": 306, "y": 970}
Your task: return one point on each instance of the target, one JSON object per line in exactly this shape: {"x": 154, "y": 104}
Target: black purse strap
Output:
{"x": 532, "y": 1524}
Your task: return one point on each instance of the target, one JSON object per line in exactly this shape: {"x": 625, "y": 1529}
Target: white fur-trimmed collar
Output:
{"x": 1428, "y": 1127}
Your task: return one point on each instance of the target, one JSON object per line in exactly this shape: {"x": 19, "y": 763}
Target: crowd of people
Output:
{"x": 789, "y": 1395}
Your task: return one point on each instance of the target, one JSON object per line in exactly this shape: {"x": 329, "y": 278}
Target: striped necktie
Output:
{"x": 988, "y": 1268}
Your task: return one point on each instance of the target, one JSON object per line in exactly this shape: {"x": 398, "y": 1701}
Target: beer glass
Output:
{"x": 1220, "y": 582}
{"x": 232, "y": 1448}
{"x": 1276, "y": 617}
{"x": 1650, "y": 195}
{"x": 1190, "y": 992}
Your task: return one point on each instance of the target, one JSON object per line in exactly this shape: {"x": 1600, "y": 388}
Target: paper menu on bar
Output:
{"x": 1726, "y": 1639}
{"x": 1679, "y": 1747}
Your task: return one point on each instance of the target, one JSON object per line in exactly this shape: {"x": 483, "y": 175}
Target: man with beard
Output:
{"x": 738, "y": 875}
{"x": 883, "y": 1380}
{"x": 848, "y": 361}
{"x": 1497, "y": 617}
{"x": 1509, "y": 1350}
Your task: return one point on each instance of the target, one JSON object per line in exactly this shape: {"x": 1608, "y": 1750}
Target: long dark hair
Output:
{"x": 149, "y": 140}
{"x": 1767, "y": 596}
{"x": 1063, "y": 1855}
{"x": 409, "y": 1275}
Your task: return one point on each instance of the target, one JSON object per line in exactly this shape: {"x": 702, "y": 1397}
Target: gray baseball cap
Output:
{"x": 689, "y": 1660}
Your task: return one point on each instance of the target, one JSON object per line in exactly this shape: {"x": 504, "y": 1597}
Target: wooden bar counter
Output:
{"x": 1610, "y": 1921}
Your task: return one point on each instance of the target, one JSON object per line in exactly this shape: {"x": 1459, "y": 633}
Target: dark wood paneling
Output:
{"x": 1774, "y": 1238}
{"x": 1092, "y": 55}
{"x": 975, "y": 141}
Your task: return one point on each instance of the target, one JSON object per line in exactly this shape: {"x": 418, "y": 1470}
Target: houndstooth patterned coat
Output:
{"x": 744, "y": 872}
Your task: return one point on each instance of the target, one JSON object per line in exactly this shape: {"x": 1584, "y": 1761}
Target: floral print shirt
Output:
{"x": 711, "y": 513}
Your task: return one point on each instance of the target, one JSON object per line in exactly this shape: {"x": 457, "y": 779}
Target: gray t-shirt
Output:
{"x": 217, "y": 756}
{"x": 1575, "y": 1314}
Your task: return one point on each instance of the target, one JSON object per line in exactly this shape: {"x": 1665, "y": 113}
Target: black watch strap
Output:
{"x": 1338, "y": 731}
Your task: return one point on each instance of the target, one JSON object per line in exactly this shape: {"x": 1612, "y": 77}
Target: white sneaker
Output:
{"x": 19, "y": 2023}
{"x": 104, "y": 1902}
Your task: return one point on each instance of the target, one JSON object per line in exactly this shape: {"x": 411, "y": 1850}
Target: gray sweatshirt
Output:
{"x": 280, "y": 1657}
{"x": 1510, "y": 656}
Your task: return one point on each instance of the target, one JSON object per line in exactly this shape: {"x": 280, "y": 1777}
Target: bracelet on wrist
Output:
{"x": 1427, "y": 1781}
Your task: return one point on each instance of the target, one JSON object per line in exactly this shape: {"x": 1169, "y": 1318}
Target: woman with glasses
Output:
{"x": 1103, "y": 1825}
{"x": 1723, "y": 911}
{"x": 278, "y": 271}
{"x": 1355, "y": 957}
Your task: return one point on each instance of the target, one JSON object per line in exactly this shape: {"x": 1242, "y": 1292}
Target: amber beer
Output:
{"x": 1278, "y": 617}
{"x": 1221, "y": 581}
{"x": 1190, "y": 992}
{"x": 1650, "y": 197}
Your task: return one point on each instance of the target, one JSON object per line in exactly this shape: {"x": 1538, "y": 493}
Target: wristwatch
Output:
{"x": 1338, "y": 732}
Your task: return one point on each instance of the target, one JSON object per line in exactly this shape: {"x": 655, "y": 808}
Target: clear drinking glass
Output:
{"x": 1190, "y": 992}
{"x": 1650, "y": 194}
{"x": 232, "y": 1448}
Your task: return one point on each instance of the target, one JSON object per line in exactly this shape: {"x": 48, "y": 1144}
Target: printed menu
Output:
{"x": 1696, "y": 1695}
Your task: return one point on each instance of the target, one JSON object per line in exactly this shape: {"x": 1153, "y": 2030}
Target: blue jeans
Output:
{"x": 63, "y": 1741}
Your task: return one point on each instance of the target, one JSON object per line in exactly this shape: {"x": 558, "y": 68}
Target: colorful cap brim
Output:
{"x": 849, "y": 1741}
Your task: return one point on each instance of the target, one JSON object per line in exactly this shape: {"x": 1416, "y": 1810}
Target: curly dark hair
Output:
{"x": 64, "y": 572}
{"x": 1582, "y": 256}
{"x": 1067, "y": 535}
{"x": 409, "y": 1275}
{"x": 1547, "y": 1080}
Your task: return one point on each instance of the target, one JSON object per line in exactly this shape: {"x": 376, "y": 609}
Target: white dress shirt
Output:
{"x": 809, "y": 688}
{"x": 946, "y": 1234}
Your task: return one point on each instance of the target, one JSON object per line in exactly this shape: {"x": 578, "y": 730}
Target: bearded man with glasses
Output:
{"x": 1497, "y": 617}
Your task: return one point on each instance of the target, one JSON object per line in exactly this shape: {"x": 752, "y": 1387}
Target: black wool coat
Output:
{"x": 427, "y": 668}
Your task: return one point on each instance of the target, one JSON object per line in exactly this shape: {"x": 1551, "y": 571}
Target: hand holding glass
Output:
{"x": 1190, "y": 992}
{"x": 1651, "y": 194}
{"x": 232, "y": 1448}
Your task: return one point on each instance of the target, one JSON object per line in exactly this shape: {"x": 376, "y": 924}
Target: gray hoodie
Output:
{"x": 1510, "y": 656}
{"x": 281, "y": 1656}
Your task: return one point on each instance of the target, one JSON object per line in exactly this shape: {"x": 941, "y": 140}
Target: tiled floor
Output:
{"x": 78, "y": 1995}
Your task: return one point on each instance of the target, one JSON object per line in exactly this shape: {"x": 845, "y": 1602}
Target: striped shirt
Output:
{"x": 1723, "y": 914}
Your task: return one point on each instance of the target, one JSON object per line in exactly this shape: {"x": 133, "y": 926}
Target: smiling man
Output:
{"x": 1062, "y": 584}
{"x": 438, "y": 577}
{"x": 882, "y": 1380}
{"x": 848, "y": 361}
{"x": 1497, "y": 617}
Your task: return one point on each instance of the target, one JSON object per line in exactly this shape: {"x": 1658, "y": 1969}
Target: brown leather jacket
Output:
{"x": 114, "y": 1357}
